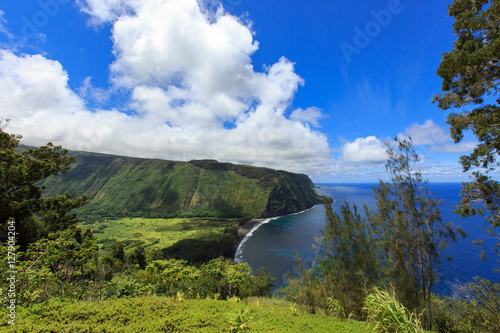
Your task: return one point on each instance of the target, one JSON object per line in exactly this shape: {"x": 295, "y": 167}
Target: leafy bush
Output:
{"x": 474, "y": 307}
{"x": 220, "y": 277}
{"x": 168, "y": 277}
{"x": 53, "y": 267}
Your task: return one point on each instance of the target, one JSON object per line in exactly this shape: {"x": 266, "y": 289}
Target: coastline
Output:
{"x": 246, "y": 228}
{"x": 244, "y": 232}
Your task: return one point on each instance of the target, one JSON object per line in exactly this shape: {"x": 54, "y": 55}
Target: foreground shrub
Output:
{"x": 474, "y": 307}
{"x": 389, "y": 314}
{"x": 221, "y": 277}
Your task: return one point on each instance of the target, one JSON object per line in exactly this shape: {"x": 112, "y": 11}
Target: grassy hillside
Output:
{"x": 133, "y": 187}
{"x": 161, "y": 314}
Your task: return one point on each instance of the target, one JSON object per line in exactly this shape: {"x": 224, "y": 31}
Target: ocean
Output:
{"x": 275, "y": 242}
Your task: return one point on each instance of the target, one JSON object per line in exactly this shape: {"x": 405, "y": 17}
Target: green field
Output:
{"x": 157, "y": 233}
{"x": 162, "y": 314}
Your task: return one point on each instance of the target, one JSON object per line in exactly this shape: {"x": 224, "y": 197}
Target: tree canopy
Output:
{"x": 470, "y": 73}
{"x": 21, "y": 196}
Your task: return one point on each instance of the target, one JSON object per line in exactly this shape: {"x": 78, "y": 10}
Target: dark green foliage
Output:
{"x": 132, "y": 187}
{"x": 55, "y": 214}
{"x": 227, "y": 279}
{"x": 219, "y": 278}
{"x": 155, "y": 254}
{"x": 204, "y": 248}
{"x": 118, "y": 252}
{"x": 410, "y": 231}
{"x": 307, "y": 291}
{"x": 53, "y": 267}
{"x": 20, "y": 193}
{"x": 470, "y": 70}
{"x": 471, "y": 74}
{"x": 138, "y": 257}
{"x": 68, "y": 265}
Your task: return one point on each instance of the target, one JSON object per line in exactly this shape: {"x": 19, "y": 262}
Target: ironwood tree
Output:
{"x": 410, "y": 231}
{"x": 396, "y": 245}
{"x": 348, "y": 264}
{"x": 470, "y": 73}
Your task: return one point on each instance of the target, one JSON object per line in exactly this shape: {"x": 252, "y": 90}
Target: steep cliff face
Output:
{"x": 292, "y": 193}
{"x": 123, "y": 186}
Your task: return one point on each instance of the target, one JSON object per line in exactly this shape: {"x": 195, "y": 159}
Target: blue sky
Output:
{"x": 307, "y": 86}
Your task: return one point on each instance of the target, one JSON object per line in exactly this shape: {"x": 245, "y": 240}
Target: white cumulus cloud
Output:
{"x": 436, "y": 138}
{"x": 461, "y": 147}
{"x": 310, "y": 115}
{"x": 193, "y": 92}
{"x": 369, "y": 149}
{"x": 104, "y": 11}
{"x": 427, "y": 133}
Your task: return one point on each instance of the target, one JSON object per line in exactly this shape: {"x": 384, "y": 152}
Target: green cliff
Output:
{"x": 124, "y": 186}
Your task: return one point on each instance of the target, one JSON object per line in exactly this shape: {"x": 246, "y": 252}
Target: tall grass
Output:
{"x": 388, "y": 314}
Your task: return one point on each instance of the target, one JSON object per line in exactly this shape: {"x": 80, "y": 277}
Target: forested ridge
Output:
{"x": 132, "y": 187}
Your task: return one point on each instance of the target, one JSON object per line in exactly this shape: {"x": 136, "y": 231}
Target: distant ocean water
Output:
{"x": 274, "y": 243}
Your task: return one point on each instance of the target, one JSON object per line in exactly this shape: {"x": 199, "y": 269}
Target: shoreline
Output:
{"x": 245, "y": 228}
{"x": 251, "y": 225}
{"x": 244, "y": 232}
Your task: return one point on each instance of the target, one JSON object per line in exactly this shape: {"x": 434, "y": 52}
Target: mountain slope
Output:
{"x": 123, "y": 186}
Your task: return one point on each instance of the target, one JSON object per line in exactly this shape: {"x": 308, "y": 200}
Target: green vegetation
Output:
{"x": 474, "y": 307}
{"x": 396, "y": 246}
{"x": 377, "y": 267}
{"x": 68, "y": 265}
{"x": 470, "y": 73}
{"x": 162, "y": 314}
{"x": 193, "y": 239}
{"x": 383, "y": 308}
{"x": 65, "y": 281}
{"x": 21, "y": 197}
{"x": 132, "y": 187}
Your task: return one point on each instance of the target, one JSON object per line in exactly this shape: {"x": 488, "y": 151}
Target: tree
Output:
{"x": 397, "y": 244}
{"x": 118, "y": 252}
{"x": 138, "y": 257}
{"x": 21, "y": 196}
{"x": 54, "y": 267}
{"x": 470, "y": 73}
{"x": 348, "y": 262}
{"x": 409, "y": 229}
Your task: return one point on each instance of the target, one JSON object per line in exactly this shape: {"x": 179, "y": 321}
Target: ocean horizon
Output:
{"x": 275, "y": 242}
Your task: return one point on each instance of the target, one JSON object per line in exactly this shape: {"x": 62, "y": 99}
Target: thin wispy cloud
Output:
{"x": 3, "y": 28}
